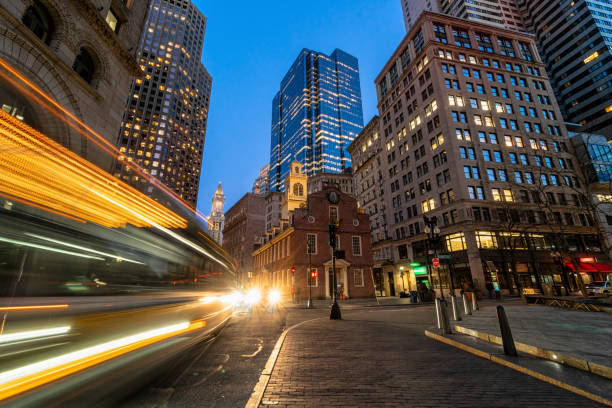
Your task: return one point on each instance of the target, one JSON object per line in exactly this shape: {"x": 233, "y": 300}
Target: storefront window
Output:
{"x": 455, "y": 242}
{"x": 486, "y": 239}
{"x": 512, "y": 240}
{"x": 539, "y": 242}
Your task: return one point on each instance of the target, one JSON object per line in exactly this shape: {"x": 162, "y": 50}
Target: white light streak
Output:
{"x": 32, "y": 334}
{"x": 46, "y": 248}
{"x": 82, "y": 248}
{"x": 39, "y": 366}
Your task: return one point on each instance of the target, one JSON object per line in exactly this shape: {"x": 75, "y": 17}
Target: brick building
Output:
{"x": 274, "y": 261}
{"x": 244, "y": 225}
{"x": 471, "y": 134}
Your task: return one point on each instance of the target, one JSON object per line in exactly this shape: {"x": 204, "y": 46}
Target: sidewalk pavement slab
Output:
{"x": 382, "y": 358}
{"x": 583, "y": 335}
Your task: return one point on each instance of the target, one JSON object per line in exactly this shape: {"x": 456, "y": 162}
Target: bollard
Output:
{"x": 446, "y": 329}
{"x": 456, "y": 312}
{"x": 474, "y": 302}
{"x": 335, "y": 312}
{"x": 466, "y": 305}
{"x": 437, "y": 302}
{"x": 506, "y": 333}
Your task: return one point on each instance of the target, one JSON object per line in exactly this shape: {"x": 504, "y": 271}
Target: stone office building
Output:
{"x": 288, "y": 250}
{"x": 471, "y": 134}
{"x": 78, "y": 53}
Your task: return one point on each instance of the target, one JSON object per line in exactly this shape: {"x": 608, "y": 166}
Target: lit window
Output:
{"x": 486, "y": 239}
{"x": 112, "y": 21}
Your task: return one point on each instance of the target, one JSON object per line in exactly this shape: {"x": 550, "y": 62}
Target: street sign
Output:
{"x": 435, "y": 262}
{"x": 420, "y": 270}
{"x": 445, "y": 257}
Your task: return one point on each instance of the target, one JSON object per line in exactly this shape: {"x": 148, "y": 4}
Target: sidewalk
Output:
{"x": 380, "y": 357}
{"x": 351, "y": 303}
{"x": 585, "y": 336}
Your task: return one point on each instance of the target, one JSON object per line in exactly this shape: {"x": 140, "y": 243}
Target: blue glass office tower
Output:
{"x": 316, "y": 114}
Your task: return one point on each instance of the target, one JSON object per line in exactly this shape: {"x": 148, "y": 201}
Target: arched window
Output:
{"x": 38, "y": 19}
{"x": 84, "y": 65}
{"x": 298, "y": 189}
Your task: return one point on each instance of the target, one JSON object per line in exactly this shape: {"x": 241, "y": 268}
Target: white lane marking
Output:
{"x": 259, "y": 348}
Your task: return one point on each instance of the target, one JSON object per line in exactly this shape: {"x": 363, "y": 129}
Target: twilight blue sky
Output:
{"x": 248, "y": 48}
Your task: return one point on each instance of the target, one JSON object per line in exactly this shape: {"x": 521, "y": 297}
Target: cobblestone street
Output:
{"x": 381, "y": 358}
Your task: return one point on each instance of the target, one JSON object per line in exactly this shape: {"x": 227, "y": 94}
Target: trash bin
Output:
{"x": 414, "y": 296}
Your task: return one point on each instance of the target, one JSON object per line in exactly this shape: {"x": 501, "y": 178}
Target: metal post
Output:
{"x": 309, "y": 277}
{"x": 437, "y": 303}
{"x": 444, "y": 318}
{"x": 474, "y": 302}
{"x": 456, "y": 312}
{"x": 335, "y": 310}
{"x": 466, "y": 305}
{"x": 506, "y": 333}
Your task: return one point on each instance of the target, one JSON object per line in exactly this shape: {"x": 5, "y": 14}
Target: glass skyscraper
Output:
{"x": 164, "y": 124}
{"x": 316, "y": 114}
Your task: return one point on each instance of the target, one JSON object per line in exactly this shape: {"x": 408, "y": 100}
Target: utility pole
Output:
{"x": 309, "y": 277}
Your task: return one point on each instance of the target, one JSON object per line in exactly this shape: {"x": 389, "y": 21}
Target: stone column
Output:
{"x": 475, "y": 262}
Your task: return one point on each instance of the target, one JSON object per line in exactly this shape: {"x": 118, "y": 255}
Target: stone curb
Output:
{"x": 519, "y": 368}
{"x": 570, "y": 361}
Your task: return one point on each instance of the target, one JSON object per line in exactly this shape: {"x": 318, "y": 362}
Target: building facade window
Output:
{"x": 311, "y": 244}
{"x": 39, "y": 21}
{"x": 356, "y": 246}
{"x": 358, "y": 278}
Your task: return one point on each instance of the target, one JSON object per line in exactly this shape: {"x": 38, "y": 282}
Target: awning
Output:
{"x": 586, "y": 268}
{"x": 605, "y": 268}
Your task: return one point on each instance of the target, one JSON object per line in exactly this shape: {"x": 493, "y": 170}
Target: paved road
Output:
{"x": 221, "y": 373}
{"x": 374, "y": 357}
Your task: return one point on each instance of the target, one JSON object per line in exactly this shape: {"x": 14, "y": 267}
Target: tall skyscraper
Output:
{"x": 315, "y": 115}
{"x": 575, "y": 41}
{"x": 164, "y": 124}
{"x": 499, "y": 13}
{"x": 216, "y": 221}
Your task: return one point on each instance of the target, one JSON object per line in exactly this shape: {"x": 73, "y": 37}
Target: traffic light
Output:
{"x": 332, "y": 235}
{"x": 293, "y": 270}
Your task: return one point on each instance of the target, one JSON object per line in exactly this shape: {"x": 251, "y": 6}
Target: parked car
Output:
{"x": 599, "y": 287}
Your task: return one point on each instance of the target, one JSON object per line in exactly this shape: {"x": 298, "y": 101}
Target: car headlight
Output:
{"x": 253, "y": 296}
{"x": 274, "y": 297}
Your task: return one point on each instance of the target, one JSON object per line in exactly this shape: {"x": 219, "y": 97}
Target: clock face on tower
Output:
{"x": 333, "y": 197}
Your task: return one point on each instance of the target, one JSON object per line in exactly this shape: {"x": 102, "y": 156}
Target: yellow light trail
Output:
{"x": 39, "y": 170}
{"x": 44, "y": 100}
{"x": 33, "y": 307}
{"x": 22, "y": 379}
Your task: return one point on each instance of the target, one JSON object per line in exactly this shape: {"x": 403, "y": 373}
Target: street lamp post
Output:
{"x": 433, "y": 235}
{"x": 335, "y": 310}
